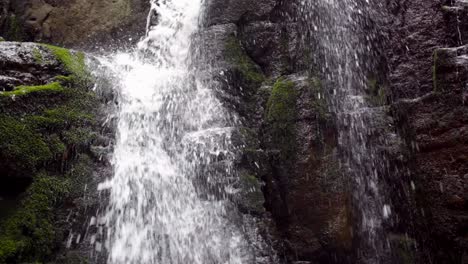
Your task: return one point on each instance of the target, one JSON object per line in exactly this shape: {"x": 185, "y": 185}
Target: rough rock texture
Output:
{"x": 428, "y": 77}
{"x": 74, "y": 23}
{"x": 290, "y": 144}
{"x": 291, "y": 180}
{"x": 50, "y": 129}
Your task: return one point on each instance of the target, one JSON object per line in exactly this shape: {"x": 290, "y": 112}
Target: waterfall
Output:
{"x": 166, "y": 202}
{"x": 341, "y": 37}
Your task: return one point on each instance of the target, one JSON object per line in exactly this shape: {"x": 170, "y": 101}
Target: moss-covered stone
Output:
{"x": 45, "y": 128}
{"x": 281, "y": 116}
{"x": 50, "y": 88}
{"x": 22, "y": 149}
{"x": 73, "y": 62}
{"x": 28, "y": 235}
{"x": 236, "y": 55}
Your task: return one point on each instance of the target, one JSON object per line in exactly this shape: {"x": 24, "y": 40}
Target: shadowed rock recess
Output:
{"x": 54, "y": 146}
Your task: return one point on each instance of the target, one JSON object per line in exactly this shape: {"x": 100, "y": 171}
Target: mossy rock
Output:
{"x": 281, "y": 115}
{"x": 22, "y": 149}
{"x": 238, "y": 57}
{"x": 46, "y": 129}
{"x": 48, "y": 89}
{"x": 28, "y": 235}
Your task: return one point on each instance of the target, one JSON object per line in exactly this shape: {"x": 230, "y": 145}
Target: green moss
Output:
{"x": 74, "y": 63}
{"x": 28, "y": 235}
{"x": 14, "y": 29}
{"x": 2, "y": 39}
{"x": 78, "y": 137}
{"x": 236, "y": 55}
{"x": 38, "y": 56}
{"x": 281, "y": 115}
{"x": 21, "y": 148}
{"x": 47, "y": 134}
{"x": 56, "y": 146}
{"x": 50, "y": 88}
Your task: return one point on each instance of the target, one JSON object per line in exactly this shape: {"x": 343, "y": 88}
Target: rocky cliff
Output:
{"x": 427, "y": 73}
{"x": 290, "y": 165}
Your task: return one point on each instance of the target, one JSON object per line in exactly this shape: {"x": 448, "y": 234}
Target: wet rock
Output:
{"x": 50, "y": 123}
{"x": 26, "y": 64}
{"x": 81, "y": 23}
{"x": 219, "y": 12}
{"x": 428, "y": 82}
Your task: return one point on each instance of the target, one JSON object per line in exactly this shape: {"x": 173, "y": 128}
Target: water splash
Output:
{"x": 164, "y": 205}
{"x": 341, "y": 36}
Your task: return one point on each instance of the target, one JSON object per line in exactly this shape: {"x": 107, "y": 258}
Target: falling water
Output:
{"x": 165, "y": 204}
{"x": 341, "y": 36}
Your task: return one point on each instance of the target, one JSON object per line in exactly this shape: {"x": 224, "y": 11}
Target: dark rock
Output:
{"x": 428, "y": 81}
{"x": 234, "y": 11}
{"x": 82, "y": 23}
{"x": 50, "y": 123}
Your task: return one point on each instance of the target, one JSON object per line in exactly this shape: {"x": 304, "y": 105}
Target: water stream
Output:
{"x": 343, "y": 44}
{"x": 171, "y": 128}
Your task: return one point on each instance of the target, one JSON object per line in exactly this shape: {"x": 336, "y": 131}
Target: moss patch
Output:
{"x": 38, "y": 56}
{"x": 46, "y": 134}
{"x": 22, "y": 149}
{"x": 281, "y": 116}
{"x": 236, "y": 55}
{"x": 28, "y": 235}
{"x": 73, "y": 62}
{"x": 50, "y": 88}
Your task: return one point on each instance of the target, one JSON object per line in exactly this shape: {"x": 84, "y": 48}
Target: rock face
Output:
{"x": 50, "y": 124}
{"x": 82, "y": 23}
{"x": 290, "y": 141}
{"x": 289, "y": 167}
{"x": 428, "y": 84}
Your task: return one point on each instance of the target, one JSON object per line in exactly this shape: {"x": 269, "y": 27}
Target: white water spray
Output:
{"x": 165, "y": 206}
{"x": 343, "y": 41}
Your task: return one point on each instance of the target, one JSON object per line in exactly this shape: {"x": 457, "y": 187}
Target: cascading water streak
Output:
{"x": 170, "y": 129}
{"x": 340, "y": 34}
